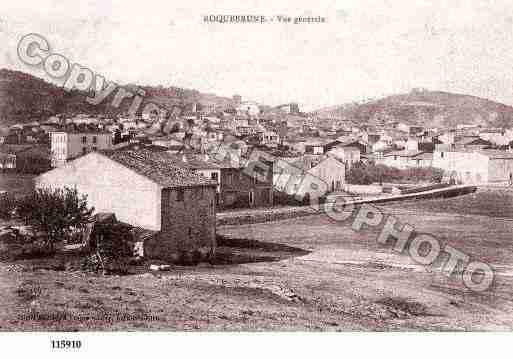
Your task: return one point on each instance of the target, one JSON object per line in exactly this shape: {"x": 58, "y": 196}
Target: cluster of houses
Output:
{"x": 159, "y": 173}
{"x": 466, "y": 154}
{"x": 304, "y": 140}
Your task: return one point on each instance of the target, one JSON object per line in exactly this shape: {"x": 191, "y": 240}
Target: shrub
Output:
{"x": 56, "y": 212}
{"x": 282, "y": 198}
{"x": 111, "y": 246}
{"x": 7, "y": 206}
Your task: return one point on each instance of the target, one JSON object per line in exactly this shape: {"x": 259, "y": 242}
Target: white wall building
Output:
{"x": 65, "y": 146}
{"x": 248, "y": 107}
{"x": 475, "y": 167}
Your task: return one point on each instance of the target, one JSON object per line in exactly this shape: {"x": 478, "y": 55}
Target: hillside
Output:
{"x": 24, "y": 98}
{"x": 436, "y": 108}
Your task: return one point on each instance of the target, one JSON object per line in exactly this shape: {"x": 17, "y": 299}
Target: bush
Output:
{"x": 281, "y": 198}
{"x": 7, "y": 206}
{"x": 56, "y": 212}
{"x": 111, "y": 247}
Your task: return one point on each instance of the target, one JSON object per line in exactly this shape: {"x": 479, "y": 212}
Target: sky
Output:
{"x": 365, "y": 49}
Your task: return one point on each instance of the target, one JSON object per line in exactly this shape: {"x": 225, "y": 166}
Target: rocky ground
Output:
{"x": 305, "y": 273}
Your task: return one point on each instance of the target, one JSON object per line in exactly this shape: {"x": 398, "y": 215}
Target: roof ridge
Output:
{"x": 157, "y": 167}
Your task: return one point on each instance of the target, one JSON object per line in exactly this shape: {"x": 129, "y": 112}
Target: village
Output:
{"x": 303, "y": 139}
{"x": 221, "y": 186}
{"x": 260, "y": 179}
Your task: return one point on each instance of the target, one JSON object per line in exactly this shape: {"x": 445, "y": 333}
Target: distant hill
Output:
{"x": 24, "y": 98}
{"x": 422, "y": 107}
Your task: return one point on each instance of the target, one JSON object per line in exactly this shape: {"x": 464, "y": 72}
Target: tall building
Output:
{"x": 65, "y": 146}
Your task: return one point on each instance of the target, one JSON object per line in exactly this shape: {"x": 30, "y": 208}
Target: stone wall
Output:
{"x": 188, "y": 225}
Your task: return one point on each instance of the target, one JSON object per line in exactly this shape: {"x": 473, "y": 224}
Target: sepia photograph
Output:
{"x": 292, "y": 169}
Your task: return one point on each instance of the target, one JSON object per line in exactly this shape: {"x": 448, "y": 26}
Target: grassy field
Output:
{"x": 494, "y": 202}
{"x": 308, "y": 273}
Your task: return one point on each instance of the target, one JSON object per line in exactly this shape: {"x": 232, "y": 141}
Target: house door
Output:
{"x": 251, "y": 198}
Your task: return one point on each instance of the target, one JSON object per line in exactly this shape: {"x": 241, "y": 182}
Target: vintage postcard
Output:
{"x": 224, "y": 166}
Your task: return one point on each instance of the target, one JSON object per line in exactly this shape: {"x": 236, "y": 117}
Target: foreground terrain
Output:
{"x": 308, "y": 273}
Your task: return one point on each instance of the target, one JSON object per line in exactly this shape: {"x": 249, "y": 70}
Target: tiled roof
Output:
{"x": 469, "y": 140}
{"x": 200, "y": 161}
{"x": 158, "y": 167}
{"x": 82, "y": 131}
{"x": 16, "y": 149}
{"x": 192, "y": 161}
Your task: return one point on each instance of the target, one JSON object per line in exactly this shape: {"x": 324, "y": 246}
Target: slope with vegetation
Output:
{"x": 421, "y": 107}
{"x": 25, "y": 98}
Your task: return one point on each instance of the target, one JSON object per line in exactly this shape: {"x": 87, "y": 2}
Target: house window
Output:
{"x": 179, "y": 195}
{"x": 84, "y": 139}
{"x": 395, "y": 158}
{"x": 229, "y": 178}
{"x": 213, "y": 176}
{"x": 441, "y": 155}
{"x": 95, "y": 139}
{"x": 95, "y": 148}
{"x": 84, "y": 150}
{"x": 251, "y": 198}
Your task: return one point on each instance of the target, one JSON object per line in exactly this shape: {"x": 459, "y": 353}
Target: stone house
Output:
{"x": 236, "y": 185}
{"x": 268, "y": 137}
{"x": 380, "y": 146}
{"x": 496, "y": 136}
{"x": 347, "y": 155}
{"x": 328, "y": 171}
{"x": 200, "y": 164}
{"x": 406, "y": 159}
{"x": 67, "y": 145}
{"x": 314, "y": 148}
{"x": 311, "y": 146}
{"x": 471, "y": 143}
{"x": 7, "y": 161}
{"x": 143, "y": 189}
{"x": 25, "y": 158}
{"x": 347, "y": 142}
{"x": 475, "y": 166}
{"x": 242, "y": 190}
{"x": 331, "y": 171}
